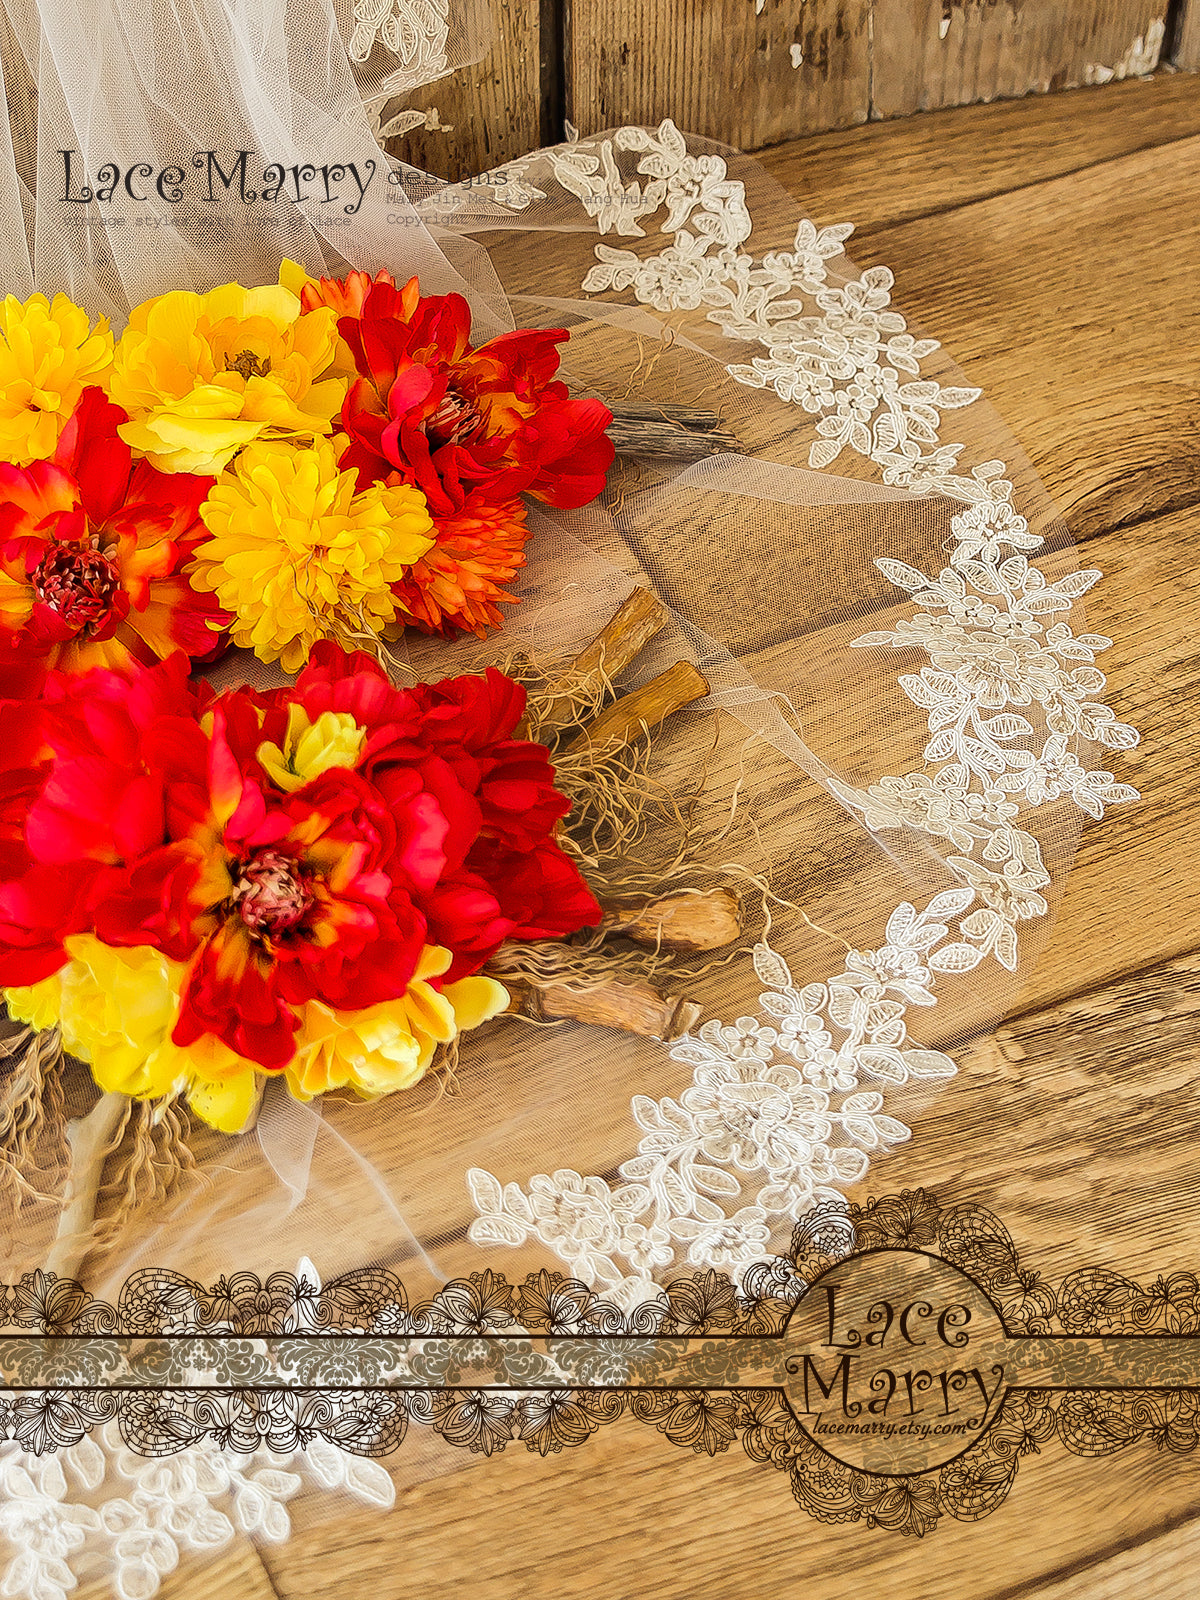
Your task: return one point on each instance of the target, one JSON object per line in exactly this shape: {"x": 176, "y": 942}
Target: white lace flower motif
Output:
{"x": 724, "y": 1243}
{"x": 415, "y": 31}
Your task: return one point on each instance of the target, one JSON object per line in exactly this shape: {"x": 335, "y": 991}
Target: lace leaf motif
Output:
{"x": 780, "y": 1115}
{"x": 776, "y": 1101}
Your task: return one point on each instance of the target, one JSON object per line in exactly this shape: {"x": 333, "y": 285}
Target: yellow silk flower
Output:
{"x": 389, "y": 1046}
{"x": 201, "y": 375}
{"x": 49, "y": 353}
{"x": 116, "y": 1008}
{"x": 296, "y": 554}
{"x": 310, "y": 748}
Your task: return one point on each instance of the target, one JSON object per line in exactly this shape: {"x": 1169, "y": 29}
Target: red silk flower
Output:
{"x": 450, "y": 418}
{"x": 154, "y": 822}
{"x": 92, "y": 551}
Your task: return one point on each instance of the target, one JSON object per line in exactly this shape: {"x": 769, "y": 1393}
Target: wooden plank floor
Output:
{"x": 1051, "y": 246}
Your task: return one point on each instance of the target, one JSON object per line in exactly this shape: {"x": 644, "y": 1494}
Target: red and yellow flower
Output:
{"x": 316, "y": 866}
{"x": 452, "y": 418}
{"x": 93, "y": 548}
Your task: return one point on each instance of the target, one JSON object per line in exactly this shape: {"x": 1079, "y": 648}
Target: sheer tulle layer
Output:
{"x": 903, "y": 733}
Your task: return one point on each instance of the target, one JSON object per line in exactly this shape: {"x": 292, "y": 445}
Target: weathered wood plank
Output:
{"x": 1162, "y": 1568}
{"x": 1150, "y": 601}
{"x": 491, "y": 111}
{"x": 1078, "y": 1120}
{"x": 1102, "y": 399}
{"x": 1098, "y": 1163}
{"x": 833, "y": 63}
{"x": 1059, "y": 300}
{"x": 878, "y": 176}
{"x": 642, "y": 60}
{"x": 930, "y": 53}
{"x": 1186, "y": 51}
{"x": 630, "y": 1514}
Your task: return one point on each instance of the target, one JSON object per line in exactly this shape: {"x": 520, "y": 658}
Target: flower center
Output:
{"x": 79, "y": 584}
{"x": 248, "y": 365}
{"x": 454, "y": 420}
{"x": 269, "y": 893}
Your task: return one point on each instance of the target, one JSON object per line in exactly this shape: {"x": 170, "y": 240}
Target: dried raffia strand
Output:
{"x": 31, "y": 1100}
{"x": 614, "y": 799}
{"x": 157, "y": 1158}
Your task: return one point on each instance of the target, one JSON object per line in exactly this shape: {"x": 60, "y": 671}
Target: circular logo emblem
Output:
{"x": 896, "y": 1362}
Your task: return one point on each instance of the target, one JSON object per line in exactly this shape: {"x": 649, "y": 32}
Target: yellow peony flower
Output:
{"x": 116, "y": 1008}
{"x": 201, "y": 375}
{"x": 389, "y": 1046}
{"x": 297, "y": 555}
{"x": 310, "y": 748}
{"x": 49, "y": 353}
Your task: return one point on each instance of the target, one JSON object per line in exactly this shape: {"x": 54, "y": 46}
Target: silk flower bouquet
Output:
{"x": 203, "y": 891}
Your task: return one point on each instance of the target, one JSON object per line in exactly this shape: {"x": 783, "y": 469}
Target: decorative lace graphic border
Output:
{"x": 465, "y": 1363}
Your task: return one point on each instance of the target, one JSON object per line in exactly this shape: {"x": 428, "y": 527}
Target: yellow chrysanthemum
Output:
{"x": 297, "y": 555}
{"x": 389, "y": 1046}
{"x": 201, "y": 375}
{"x": 49, "y": 353}
{"x": 310, "y": 748}
{"x": 116, "y": 1008}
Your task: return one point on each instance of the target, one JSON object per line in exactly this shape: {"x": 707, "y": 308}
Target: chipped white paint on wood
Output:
{"x": 1138, "y": 61}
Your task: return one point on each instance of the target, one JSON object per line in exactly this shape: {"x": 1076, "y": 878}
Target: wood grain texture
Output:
{"x": 832, "y": 63}
{"x": 1164, "y": 1568}
{"x": 930, "y": 53}
{"x": 642, "y": 60}
{"x": 953, "y": 157}
{"x": 1105, "y": 1172}
{"x": 1079, "y": 1118}
{"x": 492, "y": 109}
{"x": 1186, "y": 51}
{"x": 1101, "y": 388}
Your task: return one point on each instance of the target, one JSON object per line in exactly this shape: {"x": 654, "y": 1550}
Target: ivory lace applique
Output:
{"x": 95, "y": 1502}
{"x": 777, "y": 1100}
{"x": 781, "y": 1112}
{"x": 777, "y": 1118}
{"x": 98, "y": 1501}
{"x": 415, "y": 31}
{"x": 838, "y": 349}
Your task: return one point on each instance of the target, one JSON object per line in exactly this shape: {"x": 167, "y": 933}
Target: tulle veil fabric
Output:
{"x": 765, "y": 554}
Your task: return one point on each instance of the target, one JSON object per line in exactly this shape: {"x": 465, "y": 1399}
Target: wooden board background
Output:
{"x": 753, "y": 78}
{"x": 1185, "y": 50}
{"x": 1051, "y": 245}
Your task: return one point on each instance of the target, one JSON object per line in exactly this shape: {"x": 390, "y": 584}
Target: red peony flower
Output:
{"x": 123, "y": 761}
{"x": 457, "y": 586}
{"x": 496, "y": 793}
{"x": 23, "y": 750}
{"x": 296, "y": 899}
{"x": 451, "y": 418}
{"x": 92, "y": 551}
{"x": 155, "y": 818}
